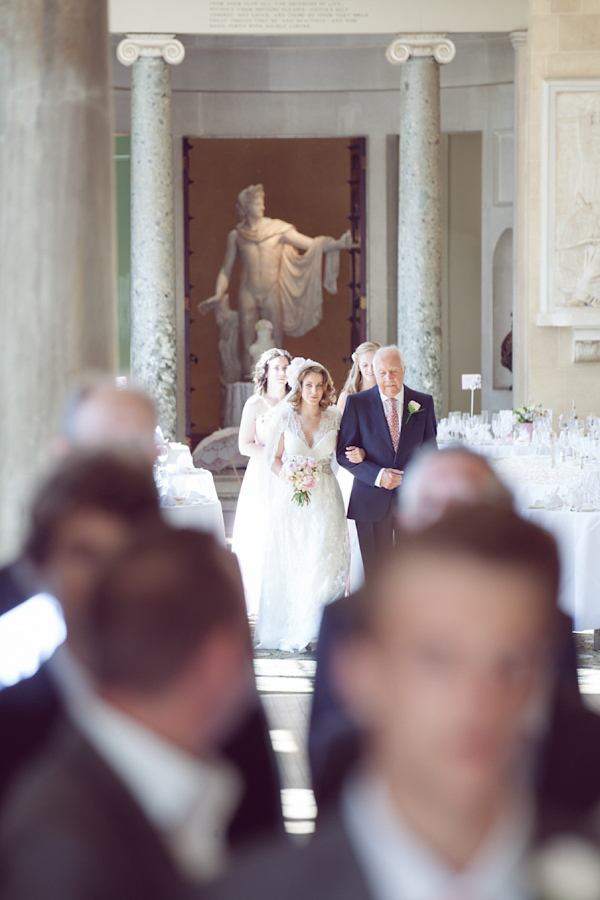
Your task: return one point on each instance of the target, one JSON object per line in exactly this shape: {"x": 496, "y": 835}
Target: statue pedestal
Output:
{"x": 235, "y": 395}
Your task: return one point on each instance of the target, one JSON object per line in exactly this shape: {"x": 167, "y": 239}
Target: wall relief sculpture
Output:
{"x": 571, "y": 204}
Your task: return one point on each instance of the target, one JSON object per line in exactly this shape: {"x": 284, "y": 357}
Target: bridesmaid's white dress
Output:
{"x": 307, "y": 555}
{"x": 251, "y": 519}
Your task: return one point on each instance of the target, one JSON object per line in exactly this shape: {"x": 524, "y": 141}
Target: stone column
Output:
{"x": 419, "y": 207}
{"x": 521, "y": 289}
{"x": 58, "y": 275}
{"x": 153, "y": 333}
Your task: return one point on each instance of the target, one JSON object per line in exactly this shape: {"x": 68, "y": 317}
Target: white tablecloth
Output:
{"x": 532, "y": 479}
{"x": 198, "y": 480}
{"x": 203, "y": 516}
{"x": 495, "y": 449}
{"x": 578, "y": 538}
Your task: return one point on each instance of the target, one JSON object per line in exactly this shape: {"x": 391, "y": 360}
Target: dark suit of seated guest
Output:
{"x": 133, "y": 797}
{"x": 449, "y": 675}
{"x": 93, "y": 504}
{"x": 566, "y": 769}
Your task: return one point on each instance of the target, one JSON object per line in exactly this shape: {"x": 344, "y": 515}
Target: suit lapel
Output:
{"x": 407, "y": 426}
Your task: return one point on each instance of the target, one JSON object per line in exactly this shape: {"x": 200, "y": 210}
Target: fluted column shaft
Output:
{"x": 153, "y": 333}
{"x": 419, "y": 208}
{"x": 57, "y": 281}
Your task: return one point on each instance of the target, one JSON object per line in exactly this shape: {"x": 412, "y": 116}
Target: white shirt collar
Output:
{"x": 398, "y": 865}
{"x": 73, "y": 682}
{"x": 188, "y": 801}
{"x": 399, "y": 398}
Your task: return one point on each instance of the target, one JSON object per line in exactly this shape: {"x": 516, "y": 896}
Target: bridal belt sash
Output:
{"x": 325, "y": 466}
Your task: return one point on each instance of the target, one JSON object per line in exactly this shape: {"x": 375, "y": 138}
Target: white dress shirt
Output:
{"x": 397, "y": 865}
{"x": 189, "y": 802}
{"x": 399, "y": 401}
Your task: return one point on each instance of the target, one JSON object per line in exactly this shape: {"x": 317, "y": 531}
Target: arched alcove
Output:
{"x": 502, "y": 306}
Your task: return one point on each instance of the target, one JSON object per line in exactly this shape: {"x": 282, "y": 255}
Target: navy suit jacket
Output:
{"x": 364, "y": 425}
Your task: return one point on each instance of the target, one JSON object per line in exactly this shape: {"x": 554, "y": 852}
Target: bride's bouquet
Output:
{"x": 302, "y": 472}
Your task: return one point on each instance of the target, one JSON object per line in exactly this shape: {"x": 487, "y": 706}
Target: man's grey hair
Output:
{"x": 390, "y": 348}
{"x": 88, "y": 385}
{"x": 476, "y": 483}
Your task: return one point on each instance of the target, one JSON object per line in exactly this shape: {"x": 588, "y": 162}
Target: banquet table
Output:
{"x": 532, "y": 479}
{"x": 578, "y": 536}
{"x": 534, "y": 482}
{"x": 500, "y": 450}
{"x": 189, "y": 500}
{"x": 207, "y": 516}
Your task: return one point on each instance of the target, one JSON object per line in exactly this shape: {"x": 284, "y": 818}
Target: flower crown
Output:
{"x": 297, "y": 365}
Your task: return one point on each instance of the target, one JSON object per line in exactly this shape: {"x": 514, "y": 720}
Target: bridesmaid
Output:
{"x": 270, "y": 387}
{"x": 360, "y": 378}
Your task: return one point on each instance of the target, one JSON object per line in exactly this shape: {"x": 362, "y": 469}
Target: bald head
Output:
{"x": 99, "y": 414}
{"x": 439, "y": 481}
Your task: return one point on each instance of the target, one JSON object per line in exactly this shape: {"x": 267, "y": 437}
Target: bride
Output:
{"x": 307, "y": 554}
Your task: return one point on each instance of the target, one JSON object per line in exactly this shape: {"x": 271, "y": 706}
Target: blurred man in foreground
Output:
{"x": 449, "y": 676}
{"x": 90, "y": 508}
{"x": 566, "y": 770}
{"x": 434, "y": 482}
{"x": 96, "y": 414}
{"x": 133, "y": 796}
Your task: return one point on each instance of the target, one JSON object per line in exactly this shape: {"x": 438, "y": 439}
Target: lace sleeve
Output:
{"x": 331, "y": 419}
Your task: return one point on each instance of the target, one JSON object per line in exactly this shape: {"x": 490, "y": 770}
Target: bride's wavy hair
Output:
{"x": 261, "y": 369}
{"x": 328, "y": 398}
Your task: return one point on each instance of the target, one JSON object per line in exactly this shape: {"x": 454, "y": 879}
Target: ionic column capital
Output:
{"x": 134, "y": 46}
{"x": 404, "y": 46}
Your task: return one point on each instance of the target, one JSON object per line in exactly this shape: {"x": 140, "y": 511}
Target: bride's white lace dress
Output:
{"x": 307, "y": 553}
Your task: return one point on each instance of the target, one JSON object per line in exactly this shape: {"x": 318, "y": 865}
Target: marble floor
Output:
{"x": 285, "y": 687}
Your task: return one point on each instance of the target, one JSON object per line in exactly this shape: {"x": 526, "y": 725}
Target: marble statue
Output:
{"x": 264, "y": 340}
{"x": 277, "y": 282}
{"x": 230, "y": 366}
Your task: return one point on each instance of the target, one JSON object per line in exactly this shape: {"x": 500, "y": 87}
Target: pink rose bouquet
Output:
{"x": 302, "y": 473}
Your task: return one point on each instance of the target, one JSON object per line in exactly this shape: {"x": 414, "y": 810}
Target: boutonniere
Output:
{"x": 413, "y": 407}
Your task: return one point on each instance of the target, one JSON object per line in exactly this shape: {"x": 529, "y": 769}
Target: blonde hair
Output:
{"x": 328, "y": 398}
{"x": 355, "y": 379}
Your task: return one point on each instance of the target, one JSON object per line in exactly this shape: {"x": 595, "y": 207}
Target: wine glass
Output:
{"x": 496, "y": 425}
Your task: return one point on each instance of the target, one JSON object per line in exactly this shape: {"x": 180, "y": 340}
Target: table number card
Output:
{"x": 471, "y": 383}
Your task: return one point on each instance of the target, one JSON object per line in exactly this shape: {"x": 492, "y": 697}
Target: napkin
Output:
{"x": 190, "y": 498}
{"x": 552, "y": 500}
{"x": 574, "y": 498}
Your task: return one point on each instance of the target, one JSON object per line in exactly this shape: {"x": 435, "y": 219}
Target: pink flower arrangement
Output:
{"x": 302, "y": 473}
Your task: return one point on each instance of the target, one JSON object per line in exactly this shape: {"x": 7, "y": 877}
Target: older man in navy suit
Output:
{"x": 390, "y": 422}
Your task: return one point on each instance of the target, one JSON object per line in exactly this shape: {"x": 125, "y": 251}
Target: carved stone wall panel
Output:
{"x": 586, "y": 345}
